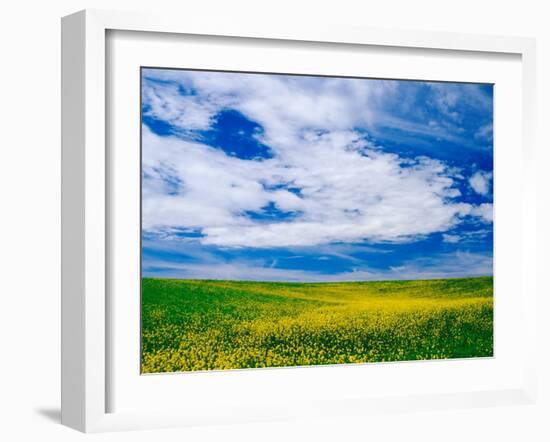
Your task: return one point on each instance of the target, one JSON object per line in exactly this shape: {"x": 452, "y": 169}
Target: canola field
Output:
{"x": 192, "y": 325}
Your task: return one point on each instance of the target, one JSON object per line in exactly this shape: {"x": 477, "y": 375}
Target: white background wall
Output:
{"x": 30, "y": 220}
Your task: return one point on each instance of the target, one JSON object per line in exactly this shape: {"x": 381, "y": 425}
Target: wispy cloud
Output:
{"x": 451, "y": 265}
{"x": 485, "y": 132}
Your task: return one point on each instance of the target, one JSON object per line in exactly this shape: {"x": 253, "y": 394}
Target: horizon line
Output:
{"x": 318, "y": 282}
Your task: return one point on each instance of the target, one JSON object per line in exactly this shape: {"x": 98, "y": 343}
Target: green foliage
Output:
{"x": 211, "y": 325}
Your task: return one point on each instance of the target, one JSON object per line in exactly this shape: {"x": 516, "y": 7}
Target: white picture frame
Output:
{"x": 86, "y": 206}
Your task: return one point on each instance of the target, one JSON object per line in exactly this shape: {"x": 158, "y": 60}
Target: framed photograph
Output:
{"x": 263, "y": 222}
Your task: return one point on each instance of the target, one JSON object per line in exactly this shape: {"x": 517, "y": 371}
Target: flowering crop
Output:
{"x": 212, "y": 325}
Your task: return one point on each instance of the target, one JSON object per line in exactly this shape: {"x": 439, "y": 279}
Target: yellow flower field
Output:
{"x": 214, "y": 325}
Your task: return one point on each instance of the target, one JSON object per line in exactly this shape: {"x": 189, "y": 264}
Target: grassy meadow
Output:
{"x": 211, "y": 325}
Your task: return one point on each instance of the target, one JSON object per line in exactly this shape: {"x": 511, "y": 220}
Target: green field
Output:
{"x": 211, "y": 325}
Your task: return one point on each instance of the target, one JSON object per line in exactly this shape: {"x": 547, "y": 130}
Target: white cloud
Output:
{"x": 345, "y": 196}
{"x": 481, "y": 182}
{"x": 451, "y": 239}
{"x": 186, "y": 112}
{"x": 349, "y": 191}
{"x": 483, "y": 211}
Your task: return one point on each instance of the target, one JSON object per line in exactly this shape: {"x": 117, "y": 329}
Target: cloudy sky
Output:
{"x": 301, "y": 178}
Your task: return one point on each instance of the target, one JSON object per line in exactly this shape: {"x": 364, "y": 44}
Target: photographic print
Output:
{"x": 300, "y": 220}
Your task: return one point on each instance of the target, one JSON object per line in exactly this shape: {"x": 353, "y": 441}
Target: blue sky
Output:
{"x": 303, "y": 178}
